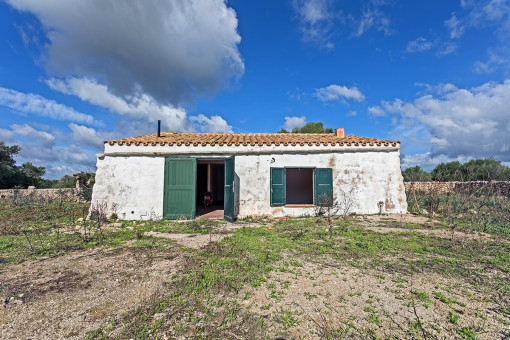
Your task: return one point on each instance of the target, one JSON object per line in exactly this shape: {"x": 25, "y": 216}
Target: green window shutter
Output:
{"x": 323, "y": 186}
{"x": 277, "y": 186}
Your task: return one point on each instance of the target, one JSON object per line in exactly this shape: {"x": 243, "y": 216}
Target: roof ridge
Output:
{"x": 250, "y": 138}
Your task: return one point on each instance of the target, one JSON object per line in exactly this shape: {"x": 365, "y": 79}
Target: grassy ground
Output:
{"x": 293, "y": 278}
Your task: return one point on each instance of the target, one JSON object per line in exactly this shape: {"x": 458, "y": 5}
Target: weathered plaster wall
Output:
{"x": 133, "y": 184}
{"x": 133, "y": 176}
{"x": 361, "y": 179}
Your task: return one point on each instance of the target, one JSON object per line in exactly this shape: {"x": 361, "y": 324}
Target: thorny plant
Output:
{"x": 36, "y": 225}
{"x": 329, "y": 206}
{"x": 484, "y": 208}
{"x": 98, "y": 216}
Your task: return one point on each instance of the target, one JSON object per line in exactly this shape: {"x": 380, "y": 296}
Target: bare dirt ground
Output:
{"x": 400, "y": 223}
{"x": 443, "y": 233}
{"x": 65, "y": 297}
{"x": 194, "y": 241}
{"x": 396, "y": 218}
{"x": 197, "y": 241}
{"x": 322, "y": 301}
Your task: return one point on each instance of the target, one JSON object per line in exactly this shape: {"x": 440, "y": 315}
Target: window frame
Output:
{"x": 278, "y": 190}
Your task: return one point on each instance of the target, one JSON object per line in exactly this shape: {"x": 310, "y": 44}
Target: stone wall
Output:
{"x": 451, "y": 187}
{"x": 68, "y": 194}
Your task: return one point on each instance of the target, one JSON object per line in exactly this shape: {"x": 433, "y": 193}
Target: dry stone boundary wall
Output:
{"x": 440, "y": 188}
{"x": 68, "y": 194}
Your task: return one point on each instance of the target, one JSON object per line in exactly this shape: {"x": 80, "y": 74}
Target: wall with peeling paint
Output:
{"x": 131, "y": 177}
{"x": 360, "y": 181}
{"x": 130, "y": 186}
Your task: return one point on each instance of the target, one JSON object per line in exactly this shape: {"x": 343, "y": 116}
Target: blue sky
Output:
{"x": 431, "y": 74}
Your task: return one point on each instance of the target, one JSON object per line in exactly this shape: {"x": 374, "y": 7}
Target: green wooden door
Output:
{"x": 179, "y": 193}
{"x": 229, "y": 205}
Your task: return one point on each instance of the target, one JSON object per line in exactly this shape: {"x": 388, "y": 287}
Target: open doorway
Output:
{"x": 210, "y": 188}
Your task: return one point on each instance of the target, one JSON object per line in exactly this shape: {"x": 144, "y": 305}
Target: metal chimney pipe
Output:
{"x": 159, "y": 128}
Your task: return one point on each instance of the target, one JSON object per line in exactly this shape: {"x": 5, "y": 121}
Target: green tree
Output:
{"x": 447, "y": 172}
{"x": 416, "y": 174}
{"x": 9, "y": 172}
{"x": 485, "y": 170}
{"x": 312, "y": 127}
{"x": 32, "y": 175}
{"x": 66, "y": 182}
{"x": 12, "y": 175}
{"x": 474, "y": 170}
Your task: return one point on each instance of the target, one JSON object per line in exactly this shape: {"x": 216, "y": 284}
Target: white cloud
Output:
{"x": 477, "y": 14}
{"x": 28, "y": 132}
{"x": 420, "y": 44}
{"x": 294, "y": 122}
{"x": 338, "y": 92}
{"x": 490, "y": 65}
{"x": 316, "y": 21}
{"x": 87, "y": 136}
{"x": 71, "y": 155}
{"x": 6, "y": 135}
{"x": 455, "y": 27}
{"x": 351, "y": 113}
{"x": 213, "y": 124}
{"x": 448, "y": 48}
{"x": 172, "y": 50}
{"x": 30, "y": 103}
{"x": 440, "y": 88}
{"x": 320, "y": 20}
{"x": 372, "y": 17}
{"x": 42, "y": 148}
{"x": 139, "y": 106}
{"x": 376, "y": 111}
{"x": 461, "y": 122}
{"x": 58, "y": 160}
{"x": 427, "y": 161}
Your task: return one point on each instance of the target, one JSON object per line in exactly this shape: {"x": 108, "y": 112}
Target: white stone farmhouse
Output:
{"x": 189, "y": 175}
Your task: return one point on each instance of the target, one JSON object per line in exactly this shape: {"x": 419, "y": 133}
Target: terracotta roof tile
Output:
{"x": 195, "y": 139}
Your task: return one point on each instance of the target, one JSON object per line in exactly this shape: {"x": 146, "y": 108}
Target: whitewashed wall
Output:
{"x": 362, "y": 178}
{"x": 132, "y": 185}
{"x": 132, "y": 177}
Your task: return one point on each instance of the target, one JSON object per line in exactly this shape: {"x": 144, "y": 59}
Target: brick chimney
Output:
{"x": 339, "y": 132}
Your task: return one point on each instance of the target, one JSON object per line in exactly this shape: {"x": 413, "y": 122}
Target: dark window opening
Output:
{"x": 299, "y": 186}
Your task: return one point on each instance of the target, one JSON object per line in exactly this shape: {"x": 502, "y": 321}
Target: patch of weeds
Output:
{"x": 287, "y": 318}
{"x": 309, "y": 296}
{"x": 435, "y": 327}
{"x": 373, "y": 316}
{"x": 160, "y": 306}
{"x": 295, "y": 263}
{"x": 96, "y": 334}
{"x": 421, "y": 295}
{"x": 285, "y": 284}
{"x": 467, "y": 333}
{"x": 399, "y": 280}
{"x": 453, "y": 317}
{"x": 448, "y": 300}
